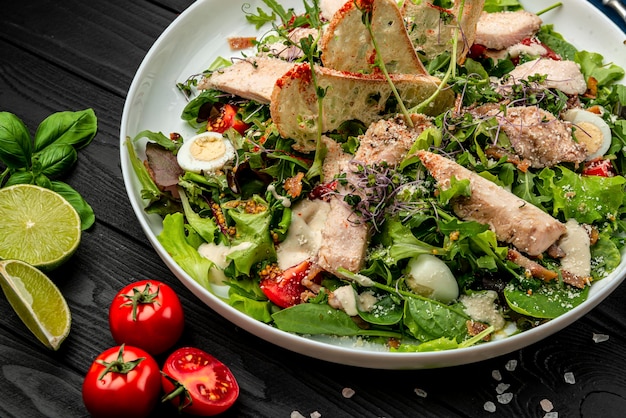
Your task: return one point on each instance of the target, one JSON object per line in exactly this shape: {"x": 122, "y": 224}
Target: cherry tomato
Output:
{"x": 284, "y": 288}
{"x": 123, "y": 381}
{"x": 197, "y": 383}
{"x": 599, "y": 167}
{"x": 226, "y": 117}
{"x": 147, "y": 314}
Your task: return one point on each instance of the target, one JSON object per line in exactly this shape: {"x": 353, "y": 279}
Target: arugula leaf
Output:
{"x": 556, "y": 42}
{"x": 548, "y": 301}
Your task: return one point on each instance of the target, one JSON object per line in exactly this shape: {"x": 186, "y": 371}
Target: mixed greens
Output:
{"x": 245, "y": 210}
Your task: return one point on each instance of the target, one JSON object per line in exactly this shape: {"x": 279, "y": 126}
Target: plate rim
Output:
{"x": 324, "y": 351}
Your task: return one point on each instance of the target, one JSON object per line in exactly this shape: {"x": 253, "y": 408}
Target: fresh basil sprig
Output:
{"x": 48, "y": 156}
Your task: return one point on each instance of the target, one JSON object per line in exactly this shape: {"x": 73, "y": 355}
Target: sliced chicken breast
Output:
{"x": 513, "y": 220}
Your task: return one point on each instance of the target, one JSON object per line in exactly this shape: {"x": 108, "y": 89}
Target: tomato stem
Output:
{"x": 179, "y": 391}
{"x": 143, "y": 297}
{"x": 119, "y": 365}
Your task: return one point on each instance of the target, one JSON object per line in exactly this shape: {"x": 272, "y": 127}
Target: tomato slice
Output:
{"x": 599, "y": 167}
{"x": 197, "y": 383}
{"x": 225, "y": 118}
{"x": 284, "y": 288}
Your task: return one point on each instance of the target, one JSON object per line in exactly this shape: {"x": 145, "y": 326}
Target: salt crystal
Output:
{"x": 511, "y": 365}
{"x": 501, "y": 388}
{"x": 420, "y": 392}
{"x": 546, "y": 405}
{"x": 505, "y": 398}
{"x": 551, "y": 415}
{"x": 569, "y": 378}
{"x": 600, "y": 338}
{"x": 348, "y": 392}
{"x": 496, "y": 375}
{"x": 489, "y": 406}
{"x": 315, "y": 414}
{"x": 296, "y": 414}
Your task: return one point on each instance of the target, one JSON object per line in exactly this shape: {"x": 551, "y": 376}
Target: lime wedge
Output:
{"x": 38, "y": 226}
{"x": 37, "y": 301}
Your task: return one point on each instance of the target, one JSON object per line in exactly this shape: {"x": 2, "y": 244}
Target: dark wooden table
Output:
{"x": 71, "y": 55}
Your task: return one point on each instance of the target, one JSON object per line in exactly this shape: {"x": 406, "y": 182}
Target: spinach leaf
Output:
{"x": 428, "y": 320}
{"x": 67, "y": 128}
{"x": 15, "y": 142}
{"x": 548, "y": 301}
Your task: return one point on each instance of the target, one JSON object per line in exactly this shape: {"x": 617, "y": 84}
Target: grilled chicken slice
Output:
{"x": 536, "y": 135}
{"x": 560, "y": 74}
{"x": 252, "y": 78}
{"x": 513, "y": 220}
{"x": 503, "y": 29}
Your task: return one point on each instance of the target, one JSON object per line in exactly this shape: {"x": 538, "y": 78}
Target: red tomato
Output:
{"x": 599, "y": 167}
{"x": 197, "y": 383}
{"x": 284, "y": 288}
{"x": 225, "y": 118}
{"x": 147, "y": 314}
{"x": 123, "y": 381}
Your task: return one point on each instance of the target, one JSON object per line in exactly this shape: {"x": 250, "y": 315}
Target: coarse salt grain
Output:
{"x": 489, "y": 406}
{"x": 511, "y": 365}
{"x": 420, "y": 392}
{"x": 315, "y": 414}
{"x": 546, "y": 405}
{"x": 600, "y": 338}
{"x": 496, "y": 375}
{"x": 502, "y": 387}
{"x": 569, "y": 378}
{"x": 347, "y": 392}
{"x": 551, "y": 415}
{"x": 296, "y": 414}
{"x": 505, "y": 398}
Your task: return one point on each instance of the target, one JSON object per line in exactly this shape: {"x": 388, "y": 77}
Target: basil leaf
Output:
{"x": 67, "y": 128}
{"x": 56, "y": 160}
{"x": 87, "y": 216}
{"x": 20, "y": 177}
{"x": 15, "y": 142}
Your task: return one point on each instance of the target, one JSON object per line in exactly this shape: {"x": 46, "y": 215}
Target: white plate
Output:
{"x": 191, "y": 43}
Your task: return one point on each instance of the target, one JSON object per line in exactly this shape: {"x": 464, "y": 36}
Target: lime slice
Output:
{"x": 38, "y": 226}
{"x": 37, "y": 301}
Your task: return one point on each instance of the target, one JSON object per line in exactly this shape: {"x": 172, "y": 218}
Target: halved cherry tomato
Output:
{"x": 226, "y": 117}
{"x": 123, "y": 381}
{"x": 147, "y": 314}
{"x": 284, "y": 288}
{"x": 599, "y": 167}
{"x": 197, "y": 383}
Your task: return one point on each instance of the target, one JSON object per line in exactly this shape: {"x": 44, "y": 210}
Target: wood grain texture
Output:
{"x": 72, "y": 55}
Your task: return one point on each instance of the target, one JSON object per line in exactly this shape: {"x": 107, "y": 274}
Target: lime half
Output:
{"x": 38, "y": 226}
{"x": 37, "y": 301}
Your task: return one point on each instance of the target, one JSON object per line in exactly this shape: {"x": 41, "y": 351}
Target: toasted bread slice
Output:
{"x": 431, "y": 29}
{"x": 349, "y": 96}
{"x": 347, "y": 45}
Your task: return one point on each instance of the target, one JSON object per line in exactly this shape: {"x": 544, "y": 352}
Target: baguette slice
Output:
{"x": 347, "y": 44}
{"x": 432, "y": 35}
{"x": 348, "y": 97}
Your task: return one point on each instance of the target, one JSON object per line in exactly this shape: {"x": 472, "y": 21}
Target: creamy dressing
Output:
{"x": 575, "y": 243}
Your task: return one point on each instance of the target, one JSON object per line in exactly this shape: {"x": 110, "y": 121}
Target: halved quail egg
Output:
{"x": 205, "y": 152}
{"x": 590, "y": 129}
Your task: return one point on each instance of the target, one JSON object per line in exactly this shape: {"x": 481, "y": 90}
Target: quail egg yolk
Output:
{"x": 206, "y": 152}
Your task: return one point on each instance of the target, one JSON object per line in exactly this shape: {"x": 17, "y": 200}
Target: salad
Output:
{"x": 433, "y": 202}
